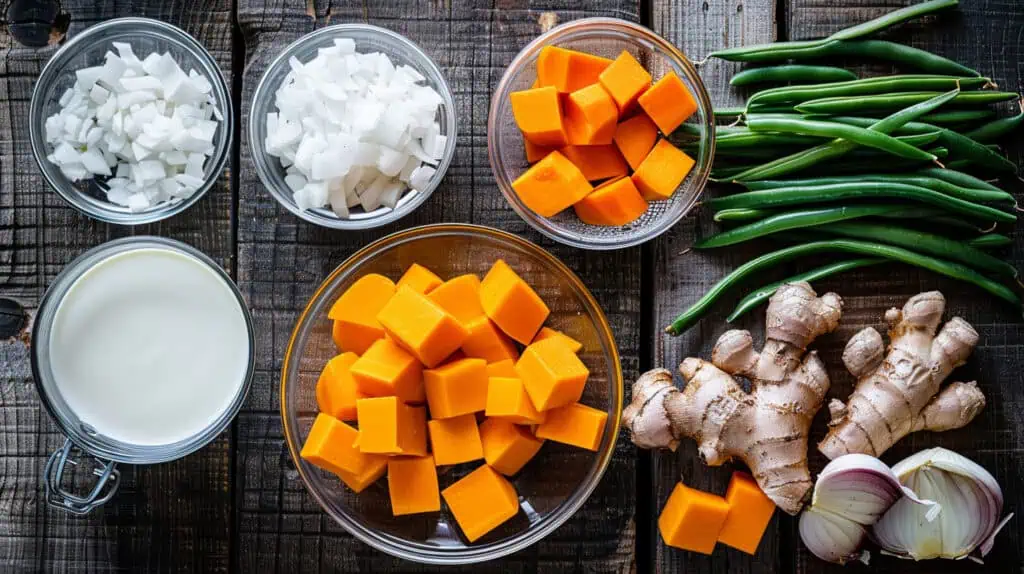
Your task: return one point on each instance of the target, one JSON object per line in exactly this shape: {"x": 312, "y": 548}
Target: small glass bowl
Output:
{"x": 551, "y": 487}
{"x": 606, "y": 37}
{"x": 368, "y": 38}
{"x": 87, "y": 49}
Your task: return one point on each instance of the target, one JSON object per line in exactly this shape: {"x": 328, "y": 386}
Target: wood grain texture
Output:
{"x": 174, "y": 516}
{"x": 282, "y": 260}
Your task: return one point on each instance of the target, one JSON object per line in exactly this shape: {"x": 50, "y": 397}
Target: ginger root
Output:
{"x": 899, "y": 394}
{"x": 766, "y": 428}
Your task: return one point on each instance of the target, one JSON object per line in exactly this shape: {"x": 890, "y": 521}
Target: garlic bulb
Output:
{"x": 971, "y": 501}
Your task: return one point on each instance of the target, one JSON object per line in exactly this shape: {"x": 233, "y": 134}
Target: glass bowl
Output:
{"x": 368, "y": 39}
{"x": 606, "y": 37}
{"x": 551, "y": 487}
{"x": 87, "y": 49}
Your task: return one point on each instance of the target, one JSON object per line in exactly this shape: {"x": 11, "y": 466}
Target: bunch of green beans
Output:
{"x": 892, "y": 168}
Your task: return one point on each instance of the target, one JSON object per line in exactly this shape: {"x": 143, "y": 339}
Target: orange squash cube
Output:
{"x": 412, "y": 485}
{"x": 419, "y": 279}
{"x": 336, "y": 390}
{"x": 385, "y": 369}
{"x": 692, "y": 519}
{"x": 554, "y": 376}
{"x": 534, "y": 152}
{"x": 538, "y": 113}
{"x": 596, "y": 161}
{"x": 662, "y": 171}
{"x": 389, "y": 426}
{"x": 355, "y": 313}
{"x": 329, "y": 446}
{"x": 568, "y": 70}
{"x": 635, "y": 137}
{"x": 511, "y": 303}
{"x": 455, "y": 440}
{"x": 481, "y": 501}
{"x": 506, "y": 368}
{"x": 487, "y": 342}
{"x": 456, "y": 388}
{"x": 421, "y": 327}
{"x": 750, "y": 512}
{"x": 460, "y": 297}
{"x": 668, "y": 103}
{"x": 590, "y": 116}
{"x": 549, "y": 333}
{"x": 614, "y": 203}
{"x": 551, "y": 185}
{"x": 507, "y": 446}
{"x": 625, "y": 79}
{"x": 372, "y": 471}
{"x": 507, "y": 399}
{"x": 575, "y": 424}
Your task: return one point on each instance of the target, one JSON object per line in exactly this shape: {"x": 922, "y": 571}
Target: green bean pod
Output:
{"x": 955, "y": 117}
{"x": 727, "y": 112}
{"x": 951, "y": 189}
{"x": 996, "y": 129}
{"x": 979, "y": 154}
{"x": 990, "y": 241}
{"x": 958, "y": 178}
{"x": 888, "y": 102}
{"x": 791, "y": 73}
{"x": 910, "y": 83}
{"x": 862, "y": 136}
{"x": 893, "y": 18}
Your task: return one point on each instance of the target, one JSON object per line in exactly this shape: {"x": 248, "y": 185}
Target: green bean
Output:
{"x": 889, "y": 102}
{"x": 727, "y": 112}
{"x": 896, "y": 210}
{"x": 953, "y": 117}
{"x": 893, "y": 18}
{"x": 923, "y": 242}
{"x": 742, "y": 214}
{"x": 791, "y": 73}
{"x": 912, "y": 83}
{"x": 762, "y": 294}
{"x": 862, "y": 136}
{"x": 996, "y": 129}
{"x": 951, "y": 189}
{"x": 948, "y": 268}
{"x": 990, "y": 241}
{"x": 751, "y": 139}
{"x": 696, "y": 130}
{"x": 908, "y": 128}
{"x": 949, "y": 222}
{"x": 957, "y": 178}
{"x": 858, "y": 190}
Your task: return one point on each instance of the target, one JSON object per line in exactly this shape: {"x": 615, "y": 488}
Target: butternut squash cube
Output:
{"x": 389, "y": 426}
{"x": 506, "y": 368}
{"x": 329, "y": 446}
{"x": 355, "y": 313}
{"x": 662, "y": 171}
{"x": 456, "y": 388}
{"x": 575, "y": 424}
{"x": 481, "y": 501}
{"x": 551, "y": 185}
{"x": 460, "y": 297}
{"x": 421, "y": 327}
{"x": 455, "y": 440}
{"x": 385, "y": 369}
{"x": 336, "y": 390}
{"x": 635, "y": 137}
{"x": 750, "y": 511}
{"x": 549, "y": 333}
{"x": 487, "y": 342}
{"x": 625, "y": 79}
{"x": 538, "y": 113}
{"x": 534, "y": 152}
{"x": 590, "y": 116}
{"x": 692, "y": 519}
{"x": 412, "y": 485}
{"x": 507, "y": 446}
{"x": 507, "y": 399}
{"x": 668, "y": 103}
{"x": 596, "y": 161}
{"x": 419, "y": 279}
{"x": 372, "y": 471}
{"x": 554, "y": 376}
{"x": 511, "y": 303}
{"x": 568, "y": 70}
{"x": 613, "y": 203}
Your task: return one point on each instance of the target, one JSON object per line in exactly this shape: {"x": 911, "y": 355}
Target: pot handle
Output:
{"x": 103, "y": 491}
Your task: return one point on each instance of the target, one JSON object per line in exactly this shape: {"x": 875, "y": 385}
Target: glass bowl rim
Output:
{"x": 552, "y": 37}
{"x": 392, "y": 545}
{"x": 263, "y": 91}
{"x": 144, "y": 27}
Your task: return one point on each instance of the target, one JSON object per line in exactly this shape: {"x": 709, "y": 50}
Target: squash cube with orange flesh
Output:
{"x": 421, "y": 326}
{"x": 486, "y": 341}
{"x": 355, "y": 313}
{"x": 625, "y": 79}
{"x": 372, "y": 471}
{"x": 662, "y": 171}
{"x": 507, "y": 446}
{"x": 552, "y": 373}
{"x": 635, "y": 137}
{"x": 590, "y": 116}
{"x": 329, "y": 446}
{"x": 505, "y": 368}
{"x": 613, "y": 203}
{"x": 507, "y": 399}
{"x": 460, "y": 297}
{"x": 750, "y": 511}
{"x": 538, "y": 113}
{"x": 511, "y": 303}
{"x": 412, "y": 485}
{"x": 549, "y": 333}
{"x": 389, "y": 426}
{"x": 596, "y": 161}
{"x": 568, "y": 70}
{"x": 574, "y": 424}
{"x": 386, "y": 369}
{"x": 481, "y": 501}
{"x": 692, "y": 519}
{"x": 668, "y": 103}
{"x": 336, "y": 390}
{"x": 456, "y": 388}
{"x": 551, "y": 185}
{"x": 455, "y": 440}
{"x": 419, "y": 279}
{"x": 534, "y": 152}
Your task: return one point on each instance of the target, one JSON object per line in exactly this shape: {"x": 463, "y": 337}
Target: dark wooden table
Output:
{"x": 238, "y": 504}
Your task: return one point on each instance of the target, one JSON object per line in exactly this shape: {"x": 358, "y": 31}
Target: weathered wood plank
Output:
{"x": 282, "y": 260}
{"x": 171, "y": 516}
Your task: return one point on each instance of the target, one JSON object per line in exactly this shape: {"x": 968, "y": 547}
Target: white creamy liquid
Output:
{"x": 149, "y": 346}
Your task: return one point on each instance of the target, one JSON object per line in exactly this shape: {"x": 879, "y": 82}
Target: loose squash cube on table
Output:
{"x": 750, "y": 512}
{"x": 336, "y": 390}
{"x": 389, "y": 426}
{"x": 662, "y": 171}
{"x": 456, "y": 388}
{"x": 506, "y": 368}
{"x": 511, "y": 303}
{"x": 421, "y": 326}
{"x": 590, "y": 116}
{"x": 551, "y": 185}
{"x": 668, "y": 103}
{"x": 613, "y": 203}
{"x": 481, "y": 501}
{"x": 507, "y": 399}
{"x": 568, "y": 70}
{"x": 692, "y": 519}
{"x": 455, "y": 440}
{"x": 460, "y": 297}
{"x": 419, "y": 279}
{"x": 574, "y": 424}
{"x": 549, "y": 333}
{"x": 507, "y": 446}
{"x": 538, "y": 113}
{"x": 635, "y": 137}
{"x": 386, "y": 369}
{"x": 596, "y": 161}
{"x": 412, "y": 485}
{"x": 329, "y": 446}
{"x": 552, "y": 373}
{"x": 355, "y": 313}
{"x": 624, "y": 80}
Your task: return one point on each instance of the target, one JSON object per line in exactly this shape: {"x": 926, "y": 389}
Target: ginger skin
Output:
{"x": 766, "y": 428}
{"x": 898, "y": 393}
